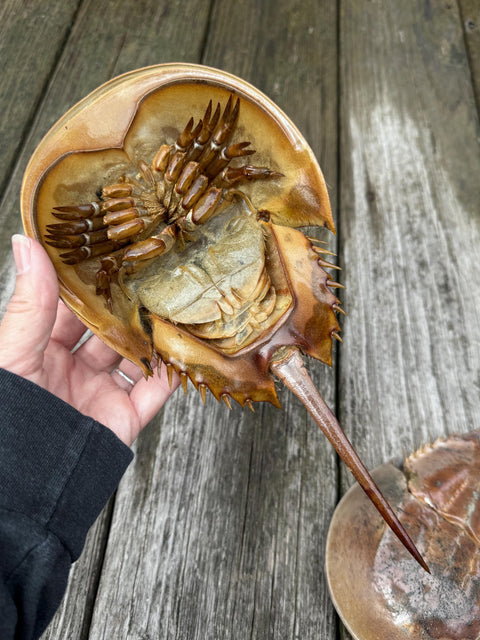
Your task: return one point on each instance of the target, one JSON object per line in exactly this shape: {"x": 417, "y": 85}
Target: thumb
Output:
{"x": 28, "y": 322}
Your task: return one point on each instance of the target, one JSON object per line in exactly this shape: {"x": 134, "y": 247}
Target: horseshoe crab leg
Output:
{"x": 287, "y": 364}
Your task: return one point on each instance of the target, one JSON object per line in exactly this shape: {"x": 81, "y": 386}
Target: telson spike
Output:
{"x": 288, "y": 365}
{"x": 203, "y": 391}
{"x": 335, "y": 335}
{"x": 338, "y": 309}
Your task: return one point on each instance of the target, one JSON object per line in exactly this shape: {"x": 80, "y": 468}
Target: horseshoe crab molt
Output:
{"x": 377, "y": 589}
{"x": 171, "y": 247}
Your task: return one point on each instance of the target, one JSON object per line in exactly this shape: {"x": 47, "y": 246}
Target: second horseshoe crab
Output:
{"x": 377, "y": 589}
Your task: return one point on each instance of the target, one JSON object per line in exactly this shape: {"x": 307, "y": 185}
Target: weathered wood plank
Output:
{"x": 410, "y": 227}
{"x": 227, "y": 513}
{"x": 31, "y": 37}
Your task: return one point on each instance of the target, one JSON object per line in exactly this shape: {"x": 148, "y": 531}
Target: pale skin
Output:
{"x": 37, "y": 335}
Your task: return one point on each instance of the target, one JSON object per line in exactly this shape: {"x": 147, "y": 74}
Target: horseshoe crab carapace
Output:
{"x": 171, "y": 247}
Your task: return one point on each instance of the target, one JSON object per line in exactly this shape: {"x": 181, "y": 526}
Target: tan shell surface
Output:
{"x": 126, "y": 120}
{"x": 378, "y": 590}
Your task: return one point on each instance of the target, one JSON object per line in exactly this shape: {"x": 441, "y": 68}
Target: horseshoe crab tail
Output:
{"x": 288, "y": 365}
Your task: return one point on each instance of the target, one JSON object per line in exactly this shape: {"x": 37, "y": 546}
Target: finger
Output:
{"x": 149, "y": 395}
{"x": 68, "y": 329}
{"x": 126, "y": 375}
{"x": 97, "y": 355}
{"x": 28, "y": 322}
{"x": 123, "y": 381}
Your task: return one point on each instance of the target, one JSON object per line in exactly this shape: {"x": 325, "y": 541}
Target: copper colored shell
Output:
{"x": 378, "y": 590}
{"x": 123, "y": 124}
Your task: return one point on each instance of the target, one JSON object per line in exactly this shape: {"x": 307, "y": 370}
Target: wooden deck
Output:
{"x": 218, "y": 529}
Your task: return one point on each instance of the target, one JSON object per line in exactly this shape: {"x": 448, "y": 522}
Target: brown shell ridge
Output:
{"x": 240, "y": 377}
{"x": 313, "y": 322}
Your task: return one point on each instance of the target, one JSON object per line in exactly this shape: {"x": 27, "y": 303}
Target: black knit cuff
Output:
{"x": 57, "y": 466}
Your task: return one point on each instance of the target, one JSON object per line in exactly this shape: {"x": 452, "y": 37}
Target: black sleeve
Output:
{"x": 57, "y": 470}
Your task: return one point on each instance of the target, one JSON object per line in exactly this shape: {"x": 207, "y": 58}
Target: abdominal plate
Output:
{"x": 217, "y": 287}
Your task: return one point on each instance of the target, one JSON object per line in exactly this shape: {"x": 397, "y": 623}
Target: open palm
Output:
{"x": 37, "y": 335}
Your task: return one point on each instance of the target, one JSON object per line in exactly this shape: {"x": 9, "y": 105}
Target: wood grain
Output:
{"x": 31, "y": 39}
{"x": 410, "y": 228}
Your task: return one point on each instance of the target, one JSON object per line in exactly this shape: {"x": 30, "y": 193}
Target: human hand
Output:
{"x": 37, "y": 335}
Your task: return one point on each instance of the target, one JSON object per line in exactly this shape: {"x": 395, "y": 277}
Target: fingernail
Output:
{"x": 21, "y": 253}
